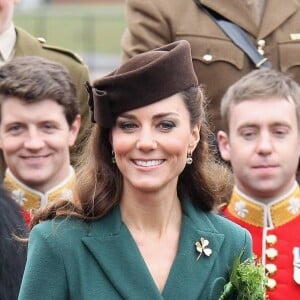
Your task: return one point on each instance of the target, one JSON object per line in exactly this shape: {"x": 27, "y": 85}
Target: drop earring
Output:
{"x": 113, "y": 158}
{"x": 189, "y": 159}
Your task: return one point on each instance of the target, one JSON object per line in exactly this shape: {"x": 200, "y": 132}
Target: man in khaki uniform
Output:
{"x": 15, "y": 41}
{"x": 272, "y": 25}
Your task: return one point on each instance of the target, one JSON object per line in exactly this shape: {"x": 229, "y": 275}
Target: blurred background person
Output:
{"x": 12, "y": 252}
{"x": 261, "y": 139}
{"x": 15, "y": 41}
{"x": 217, "y": 61}
{"x": 39, "y": 122}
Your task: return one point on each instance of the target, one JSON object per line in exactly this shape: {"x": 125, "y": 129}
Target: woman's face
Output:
{"x": 151, "y": 144}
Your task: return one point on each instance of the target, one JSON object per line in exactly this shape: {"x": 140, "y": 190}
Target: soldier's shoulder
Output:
{"x": 61, "y": 52}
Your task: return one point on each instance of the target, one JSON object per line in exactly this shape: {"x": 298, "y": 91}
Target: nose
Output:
{"x": 146, "y": 140}
{"x": 265, "y": 145}
{"x": 34, "y": 140}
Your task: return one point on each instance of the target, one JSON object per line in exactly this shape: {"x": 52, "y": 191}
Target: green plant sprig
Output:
{"x": 248, "y": 279}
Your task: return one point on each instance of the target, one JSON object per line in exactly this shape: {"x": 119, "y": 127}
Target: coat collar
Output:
{"x": 29, "y": 198}
{"x": 236, "y": 11}
{"x": 112, "y": 245}
{"x": 279, "y": 211}
{"x": 26, "y": 44}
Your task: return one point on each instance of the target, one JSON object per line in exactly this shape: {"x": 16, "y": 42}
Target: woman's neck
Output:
{"x": 153, "y": 214}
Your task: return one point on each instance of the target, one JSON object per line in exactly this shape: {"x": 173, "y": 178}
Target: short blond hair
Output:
{"x": 262, "y": 83}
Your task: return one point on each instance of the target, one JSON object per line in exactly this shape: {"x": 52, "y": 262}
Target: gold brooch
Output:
{"x": 201, "y": 247}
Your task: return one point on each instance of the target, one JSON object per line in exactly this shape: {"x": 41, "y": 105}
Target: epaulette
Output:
{"x": 61, "y": 50}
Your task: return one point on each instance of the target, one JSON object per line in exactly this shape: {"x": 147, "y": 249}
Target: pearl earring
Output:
{"x": 189, "y": 159}
{"x": 113, "y": 158}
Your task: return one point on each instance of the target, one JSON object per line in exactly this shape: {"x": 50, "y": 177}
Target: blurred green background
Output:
{"x": 92, "y": 30}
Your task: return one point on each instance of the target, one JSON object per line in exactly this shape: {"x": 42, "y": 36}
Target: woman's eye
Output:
{"x": 167, "y": 125}
{"x": 127, "y": 125}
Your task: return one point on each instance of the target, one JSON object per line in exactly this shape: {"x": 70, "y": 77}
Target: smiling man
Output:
{"x": 39, "y": 121}
{"x": 261, "y": 114}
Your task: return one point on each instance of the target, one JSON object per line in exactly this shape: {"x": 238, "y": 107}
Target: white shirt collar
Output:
{"x": 7, "y": 42}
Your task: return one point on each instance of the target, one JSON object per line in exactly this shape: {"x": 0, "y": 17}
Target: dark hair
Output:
{"x": 33, "y": 79}
{"x": 12, "y": 252}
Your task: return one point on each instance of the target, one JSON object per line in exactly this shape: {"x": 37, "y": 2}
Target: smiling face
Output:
{"x": 35, "y": 139}
{"x": 151, "y": 144}
{"x": 263, "y": 146}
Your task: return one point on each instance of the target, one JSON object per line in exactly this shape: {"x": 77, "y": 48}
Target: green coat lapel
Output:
{"x": 114, "y": 249}
{"x": 187, "y": 272}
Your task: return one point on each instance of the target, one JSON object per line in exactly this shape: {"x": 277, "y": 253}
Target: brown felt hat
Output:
{"x": 144, "y": 79}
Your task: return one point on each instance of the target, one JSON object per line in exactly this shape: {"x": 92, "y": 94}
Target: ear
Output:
{"x": 74, "y": 129}
{"x": 224, "y": 145}
{"x": 195, "y": 137}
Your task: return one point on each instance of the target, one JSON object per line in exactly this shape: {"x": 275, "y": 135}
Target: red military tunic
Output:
{"x": 275, "y": 230}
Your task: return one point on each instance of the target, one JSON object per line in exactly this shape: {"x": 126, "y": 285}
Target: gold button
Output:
{"x": 207, "y": 57}
{"x": 271, "y": 268}
{"x": 271, "y": 284}
{"x": 271, "y": 239}
{"x": 271, "y": 253}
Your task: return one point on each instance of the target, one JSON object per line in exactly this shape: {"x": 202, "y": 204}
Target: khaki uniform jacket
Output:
{"x": 27, "y": 44}
{"x": 70, "y": 259}
{"x": 217, "y": 61}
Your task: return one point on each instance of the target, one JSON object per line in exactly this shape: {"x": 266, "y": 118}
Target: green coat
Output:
{"x": 70, "y": 259}
{"x": 27, "y": 44}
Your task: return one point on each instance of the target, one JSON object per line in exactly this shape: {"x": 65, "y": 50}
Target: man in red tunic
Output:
{"x": 261, "y": 140}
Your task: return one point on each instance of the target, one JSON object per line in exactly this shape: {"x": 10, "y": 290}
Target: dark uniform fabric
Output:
{"x": 13, "y": 253}
{"x": 27, "y": 44}
{"x": 217, "y": 61}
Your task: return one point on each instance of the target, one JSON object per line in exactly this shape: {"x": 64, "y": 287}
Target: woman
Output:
{"x": 146, "y": 185}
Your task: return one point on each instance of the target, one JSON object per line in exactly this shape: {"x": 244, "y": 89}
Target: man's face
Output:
{"x": 35, "y": 139}
{"x": 263, "y": 146}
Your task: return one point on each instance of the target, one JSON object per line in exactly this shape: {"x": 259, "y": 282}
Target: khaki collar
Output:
{"x": 29, "y": 198}
{"x": 278, "y": 212}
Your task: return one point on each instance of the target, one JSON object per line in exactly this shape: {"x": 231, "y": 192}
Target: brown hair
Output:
{"x": 99, "y": 181}
{"x": 34, "y": 79}
{"x": 263, "y": 83}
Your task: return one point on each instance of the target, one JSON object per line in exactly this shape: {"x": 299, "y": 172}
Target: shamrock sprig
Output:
{"x": 248, "y": 279}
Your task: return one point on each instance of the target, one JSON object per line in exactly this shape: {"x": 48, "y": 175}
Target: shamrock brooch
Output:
{"x": 201, "y": 247}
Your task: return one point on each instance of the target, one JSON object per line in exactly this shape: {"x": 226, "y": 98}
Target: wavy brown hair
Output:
{"x": 100, "y": 184}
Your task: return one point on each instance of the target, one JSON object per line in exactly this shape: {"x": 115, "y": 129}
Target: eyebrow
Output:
{"x": 274, "y": 124}
{"x": 157, "y": 116}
